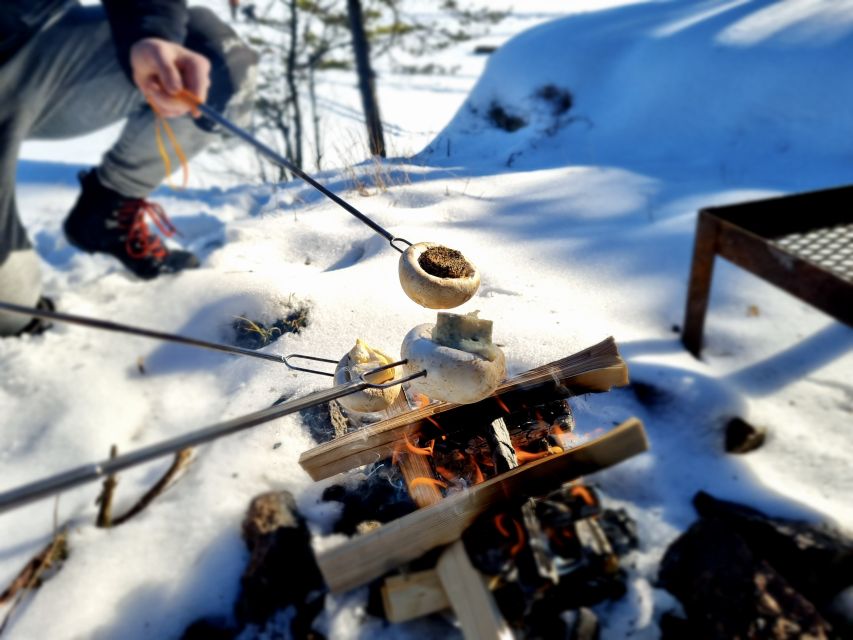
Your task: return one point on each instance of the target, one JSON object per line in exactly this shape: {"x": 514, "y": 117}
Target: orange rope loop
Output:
{"x": 162, "y": 126}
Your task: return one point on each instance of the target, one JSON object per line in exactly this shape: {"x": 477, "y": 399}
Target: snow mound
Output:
{"x": 741, "y": 87}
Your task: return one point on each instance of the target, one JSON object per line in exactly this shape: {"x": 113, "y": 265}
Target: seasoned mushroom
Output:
{"x": 437, "y": 277}
{"x": 361, "y": 359}
{"x": 462, "y": 364}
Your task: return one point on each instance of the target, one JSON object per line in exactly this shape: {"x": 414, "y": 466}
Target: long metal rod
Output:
{"x": 287, "y": 164}
{"x": 107, "y": 325}
{"x": 51, "y": 485}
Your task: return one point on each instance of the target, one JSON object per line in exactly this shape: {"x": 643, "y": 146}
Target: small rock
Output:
{"x": 282, "y": 570}
{"x": 210, "y": 629}
{"x": 742, "y": 437}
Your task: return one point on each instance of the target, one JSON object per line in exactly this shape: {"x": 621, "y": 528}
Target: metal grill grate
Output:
{"x": 830, "y": 248}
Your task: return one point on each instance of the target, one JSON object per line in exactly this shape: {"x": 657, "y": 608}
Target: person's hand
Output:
{"x": 162, "y": 68}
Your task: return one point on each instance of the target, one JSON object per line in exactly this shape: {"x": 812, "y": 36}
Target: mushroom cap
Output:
{"x": 367, "y": 400}
{"x": 432, "y": 291}
{"x": 452, "y": 375}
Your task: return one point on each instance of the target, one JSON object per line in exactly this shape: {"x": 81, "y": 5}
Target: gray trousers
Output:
{"x": 67, "y": 81}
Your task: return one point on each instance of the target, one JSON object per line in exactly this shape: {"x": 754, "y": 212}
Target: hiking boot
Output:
{"x": 38, "y": 326}
{"x": 104, "y": 221}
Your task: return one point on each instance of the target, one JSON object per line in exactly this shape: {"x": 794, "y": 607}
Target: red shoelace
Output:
{"x": 140, "y": 242}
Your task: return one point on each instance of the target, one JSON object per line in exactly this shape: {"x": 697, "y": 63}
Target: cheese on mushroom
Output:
{"x": 358, "y": 361}
{"x": 465, "y": 332}
{"x": 457, "y": 353}
{"x": 437, "y": 277}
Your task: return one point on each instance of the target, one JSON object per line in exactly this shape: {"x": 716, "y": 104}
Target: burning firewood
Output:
{"x": 369, "y": 556}
{"x": 592, "y": 370}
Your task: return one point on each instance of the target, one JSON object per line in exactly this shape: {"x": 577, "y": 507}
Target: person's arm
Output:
{"x": 149, "y": 36}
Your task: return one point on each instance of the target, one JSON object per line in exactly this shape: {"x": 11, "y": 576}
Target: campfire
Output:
{"x": 496, "y": 514}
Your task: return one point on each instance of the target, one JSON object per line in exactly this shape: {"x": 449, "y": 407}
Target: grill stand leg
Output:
{"x": 699, "y": 290}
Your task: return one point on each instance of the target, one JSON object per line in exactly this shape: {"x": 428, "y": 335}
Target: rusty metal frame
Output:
{"x": 745, "y": 234}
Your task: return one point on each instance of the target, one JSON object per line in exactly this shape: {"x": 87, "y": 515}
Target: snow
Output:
{"x": 582, "y": 226}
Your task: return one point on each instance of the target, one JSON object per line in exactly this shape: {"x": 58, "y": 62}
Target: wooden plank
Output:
{"x": 371, "y": 555}
{"x": 472, "y": 602}
{"x": 595, "y": 369}
{"x": 414, "y": 595}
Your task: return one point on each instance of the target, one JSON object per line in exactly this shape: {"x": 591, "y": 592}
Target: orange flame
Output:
{"x": 419, "y": 400}
{"x": 419, "y": 451}
{"x": 518, "y": 546}
{"x": 502, "y": 404}
{"x": 526, "y": 456}
{"x": 478, "y": 474}
{"x": 584, "y": 494}
{"x": 445, "y": 473}
{"x": 499, "y": 525}
{"x": 416, "y": 482}
{"x": 519, "y": 533}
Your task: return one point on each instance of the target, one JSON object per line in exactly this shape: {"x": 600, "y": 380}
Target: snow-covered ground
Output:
{"x": 582, "y": 225}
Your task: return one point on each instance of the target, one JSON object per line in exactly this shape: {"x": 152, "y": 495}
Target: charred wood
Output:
{"x": 500, "y": 445}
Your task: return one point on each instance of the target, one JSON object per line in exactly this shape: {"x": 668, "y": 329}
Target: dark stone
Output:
{"x": 325, "y": 421}
{"x": 673, "y": 627}
{"x": 380, "y": 495}
{"x": 729, "y": 592}
{"x": 742, "y": 437}
{"x": 620, "y": 529}
{"x": 210, "y": 629}
{"x": 282, "y": 570}
{"x": 816, "y": 559}
{"x": 583, "y": 624}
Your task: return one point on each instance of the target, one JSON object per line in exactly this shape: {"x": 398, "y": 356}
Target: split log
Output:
{"x": 414, "y": 595}
{"x": 471, "y": 600}
{"x": 414, "y": 467}
{"x": 370, "y": 556}
{"x": 593, "y": 370}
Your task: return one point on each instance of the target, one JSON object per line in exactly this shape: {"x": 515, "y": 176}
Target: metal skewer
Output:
{"x": 287, "y": 164}
{"x": 87, "y": 473}
{"x": 107, "y": 325}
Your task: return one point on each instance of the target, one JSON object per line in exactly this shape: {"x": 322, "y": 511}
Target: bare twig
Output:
{"x": 182, "y": 457}
{"x": 55, "y": 552}
{"x": 105, "y": 500}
